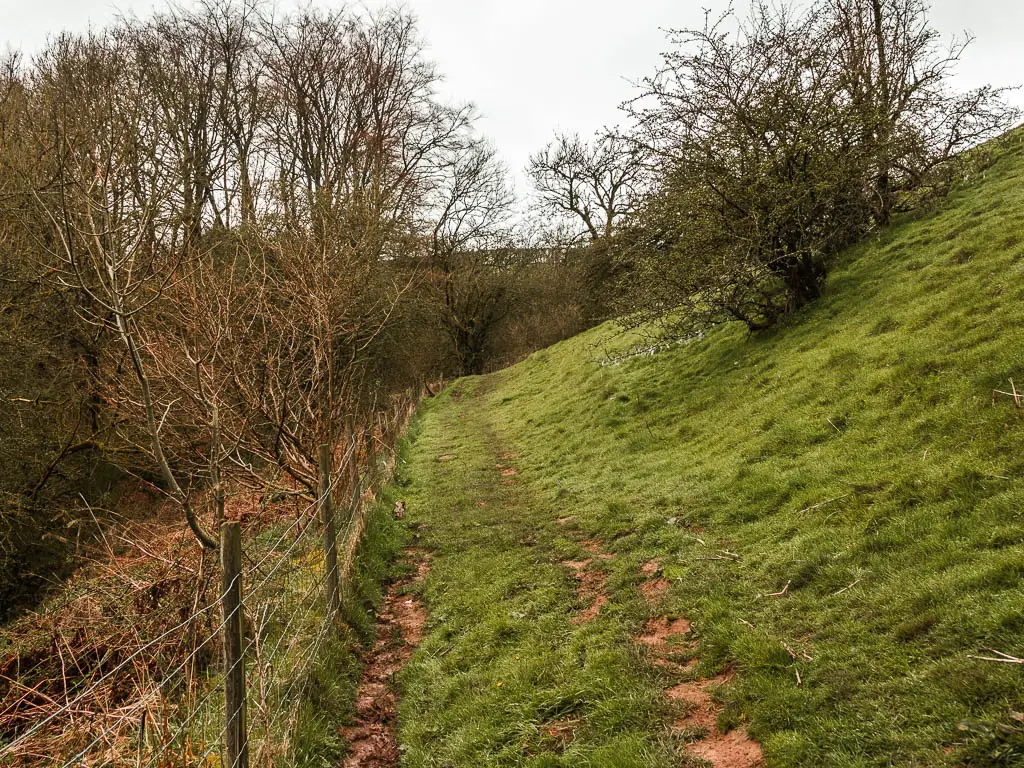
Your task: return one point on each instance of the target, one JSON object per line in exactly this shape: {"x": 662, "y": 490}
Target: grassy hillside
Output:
{"x": 854, "y": 460}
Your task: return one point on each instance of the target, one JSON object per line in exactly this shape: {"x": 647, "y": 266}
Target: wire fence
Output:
{"x": 162, "y": 701}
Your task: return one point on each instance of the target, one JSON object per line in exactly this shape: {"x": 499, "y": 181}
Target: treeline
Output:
{"x": 764, "y": 145}
{"x": 227, "y": 237}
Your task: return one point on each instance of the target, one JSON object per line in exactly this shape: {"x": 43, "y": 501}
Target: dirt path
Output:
{"x": 529, "y": 659}
{"x": 671, "y": 648}
{"x": 400, "y": 628}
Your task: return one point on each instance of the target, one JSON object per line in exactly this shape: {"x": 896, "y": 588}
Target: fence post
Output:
{"x": 235, "y": 738}
{"x": 327, "y": 526}
{"x": 353, "y": 471}
{"x": 371, "y": 458}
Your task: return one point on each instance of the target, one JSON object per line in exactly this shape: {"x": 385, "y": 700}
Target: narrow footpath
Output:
{"x": 400, "y": 627}
{"x": 540, "y": 644}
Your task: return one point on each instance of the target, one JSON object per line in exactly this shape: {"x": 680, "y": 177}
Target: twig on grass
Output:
{"x": 796, "y": 655}
{"x": 1003, "y": 658}
{"x": 781, "y": 592}
{"x": 823, "y": 504}
{"x": 1018, "y": 399}
{"x": 727, "y": 556}
{"x": 848, "y": 586}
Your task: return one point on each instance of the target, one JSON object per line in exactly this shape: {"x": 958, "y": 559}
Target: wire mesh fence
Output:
{"x": 156, "y": 695}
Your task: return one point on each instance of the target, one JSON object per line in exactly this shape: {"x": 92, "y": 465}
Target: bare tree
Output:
{"x": 355, "y": 127}
{"x": 595, "y": 185}
{"x": 470, "y": 263}
{"x": 897, "y": 72}
{"x": 234, "y": 31}
{"x": 112, "y": 211}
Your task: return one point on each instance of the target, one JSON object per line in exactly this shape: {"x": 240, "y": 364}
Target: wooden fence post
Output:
{"x": 327, "y": 525}
{"x": 353, "y": 472}
{"x": 371, "y": 459}
{"x": 235, "y": 737}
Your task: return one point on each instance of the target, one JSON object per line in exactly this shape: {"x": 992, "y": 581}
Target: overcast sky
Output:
{"x": 537, "y": 66}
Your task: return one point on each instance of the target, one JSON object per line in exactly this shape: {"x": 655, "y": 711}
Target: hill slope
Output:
{"x": 836, "y": 507}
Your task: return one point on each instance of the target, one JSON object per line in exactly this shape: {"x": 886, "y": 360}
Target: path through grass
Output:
{"x": 506, "y": 675}
{"x": 837, "y": 506}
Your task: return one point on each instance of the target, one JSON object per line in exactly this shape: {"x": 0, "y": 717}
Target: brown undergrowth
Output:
{"x": 122, "y": 663}
{"x": 142, "y": 606}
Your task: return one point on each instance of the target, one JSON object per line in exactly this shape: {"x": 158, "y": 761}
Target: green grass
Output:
{"x": 502, "y": 659}
{"x": 855, "y": 454}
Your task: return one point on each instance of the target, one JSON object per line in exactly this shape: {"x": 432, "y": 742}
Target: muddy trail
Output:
{"x": 671, "y": 648}
{"x": 400, "y": 628}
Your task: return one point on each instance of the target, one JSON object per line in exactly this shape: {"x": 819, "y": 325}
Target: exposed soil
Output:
{"x": 400, "y": 628}
{"x": 591, "y": 583}
{"x": 697, "y": 717}
{"x": 559, "y": 734}
{"x": 662, "y": 633}
{"x": 593, "y": 546}
{"x": 654, "y": 589}
{"x": 730, "y": 750}
{"x": 698, "y": 710}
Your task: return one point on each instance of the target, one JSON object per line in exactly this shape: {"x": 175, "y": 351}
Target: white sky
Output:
{"x": 537, "y": 66}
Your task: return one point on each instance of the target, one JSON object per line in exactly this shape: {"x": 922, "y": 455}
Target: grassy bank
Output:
{"x": 854, "y": 461}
